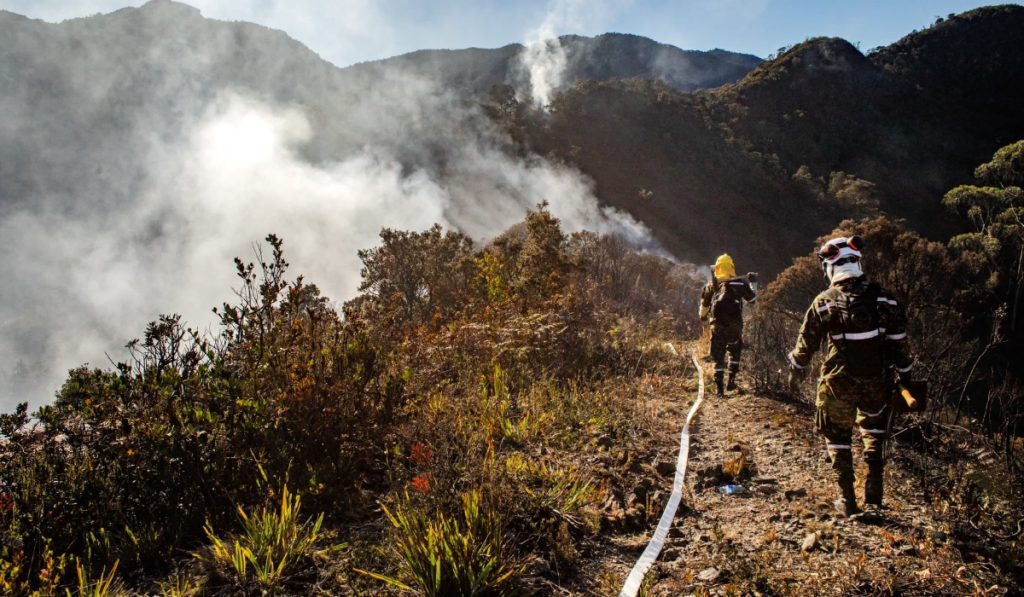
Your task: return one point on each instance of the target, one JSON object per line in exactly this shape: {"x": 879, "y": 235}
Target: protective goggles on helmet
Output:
{"x": 833, "y": 248}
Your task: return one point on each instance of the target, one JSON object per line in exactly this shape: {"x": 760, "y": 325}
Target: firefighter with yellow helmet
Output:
{"x": 721, "y": 304}
{"x": 862, "y": 329}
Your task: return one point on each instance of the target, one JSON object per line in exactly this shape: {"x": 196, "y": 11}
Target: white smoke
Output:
{"x": 89, "y": 280}
{"x": 544, "y": 58}
{"x": 127, "y": 194}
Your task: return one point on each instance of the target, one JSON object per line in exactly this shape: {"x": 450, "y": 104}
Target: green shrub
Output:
{"x": 443, "y": 555}
{"x": 104, "y": 586}
{"x": 273, "y": 546}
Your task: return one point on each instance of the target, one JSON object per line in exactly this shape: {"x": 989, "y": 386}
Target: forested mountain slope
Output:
{"x": 816, "y": 134}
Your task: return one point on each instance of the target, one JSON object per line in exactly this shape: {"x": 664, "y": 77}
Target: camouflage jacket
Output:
{"x": 862, "y": 327}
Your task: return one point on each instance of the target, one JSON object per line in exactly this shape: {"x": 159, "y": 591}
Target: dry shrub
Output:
{"x": 524, "y": 448}
{"x": 127, "y": 465}
{"x": 457, "y": 368}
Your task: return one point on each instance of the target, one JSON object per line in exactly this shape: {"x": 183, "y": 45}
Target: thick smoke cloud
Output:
{"x": 149, "y": 221}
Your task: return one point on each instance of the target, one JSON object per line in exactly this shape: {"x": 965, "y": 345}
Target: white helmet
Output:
{"x": 840, "y": 258}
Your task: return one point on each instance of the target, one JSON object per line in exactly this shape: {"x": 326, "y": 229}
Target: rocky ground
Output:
{"x": 778, "y": 535}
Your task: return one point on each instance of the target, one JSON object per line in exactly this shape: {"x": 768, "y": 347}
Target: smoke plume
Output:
{"x": 130, "y": 198}
{"x": 544, "y": 58}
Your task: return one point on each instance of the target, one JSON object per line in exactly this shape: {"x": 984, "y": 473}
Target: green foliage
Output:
{"x": 445, "y": 555}
{"x": 996, "y": 213}
{"x": 273, "y": 546}
{"x": 556, "y": 489}
{"x": 179, "y": 585}
{"x": 992, "y": 388}
{"x": 852, "y": 195}
{"x": 490, "y": 276}
{"x": 102, "y": 586}
{"x": 1006, "y": 167}
{"x": 24, "y": 575}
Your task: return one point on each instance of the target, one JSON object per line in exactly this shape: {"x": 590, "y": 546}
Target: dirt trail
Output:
{"x": 779, "y": 535}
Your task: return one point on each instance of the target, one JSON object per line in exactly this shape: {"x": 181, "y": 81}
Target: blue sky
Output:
{"x": 348, "y": 31}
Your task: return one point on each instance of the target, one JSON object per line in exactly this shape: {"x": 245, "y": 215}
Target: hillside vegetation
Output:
{"x": 495, "y": 420}
{"x": 818, "y": 133}
{"x": 461, "y": 388}
{"x": 501, "y": 416}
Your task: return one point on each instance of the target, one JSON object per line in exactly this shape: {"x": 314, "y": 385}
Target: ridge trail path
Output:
{"x": 779, "y": 535}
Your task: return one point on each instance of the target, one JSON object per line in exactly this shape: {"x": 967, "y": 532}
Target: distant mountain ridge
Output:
{"x": 762, "y": 166}
{"x": 711, "y": 151}
{"x": 936, "y": 102}
{"x": 602, "y": 58}
{"x": 163, "y": 62}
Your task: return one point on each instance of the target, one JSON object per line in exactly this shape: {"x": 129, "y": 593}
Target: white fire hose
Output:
{"x": 650, "y": 554}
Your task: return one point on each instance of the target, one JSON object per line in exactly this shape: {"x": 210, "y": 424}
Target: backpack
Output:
{"x": 856, "y": 326}
{"x": 726, "y": 303}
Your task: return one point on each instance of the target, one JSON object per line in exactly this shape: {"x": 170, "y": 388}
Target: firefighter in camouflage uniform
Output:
{"x": 721, "y": 304}
{"x": 862, "y": 330}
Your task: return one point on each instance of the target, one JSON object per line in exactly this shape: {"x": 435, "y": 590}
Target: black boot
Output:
{"x": 873, "y": 484}
{"x": 842, "y": 465}
{"x": 718, "y": 383}
{"x": 732, "y": 381}
{"x": 846, "y": 505}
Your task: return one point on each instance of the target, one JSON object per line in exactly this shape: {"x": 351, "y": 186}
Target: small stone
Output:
{"x": 810, "y": 542}
{"x": 709, "y": 574}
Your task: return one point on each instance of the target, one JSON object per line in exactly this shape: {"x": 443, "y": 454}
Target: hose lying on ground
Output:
{"x": 650, "y": 554}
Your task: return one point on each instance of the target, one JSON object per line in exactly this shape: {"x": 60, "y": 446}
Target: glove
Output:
{"x": 796, "y": 376}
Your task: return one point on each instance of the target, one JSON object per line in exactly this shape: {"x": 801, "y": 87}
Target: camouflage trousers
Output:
{"x": 843, "y": 402}
{"x": 726, "y": 338}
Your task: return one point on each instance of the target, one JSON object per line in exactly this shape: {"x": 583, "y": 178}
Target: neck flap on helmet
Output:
{"x": 724, "y": 267}
{"x": 840, "y": 258}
